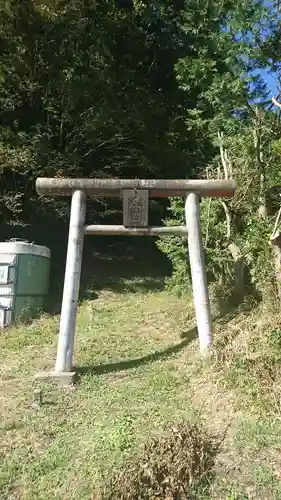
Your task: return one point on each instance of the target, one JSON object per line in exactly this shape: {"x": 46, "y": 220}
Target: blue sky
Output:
{"x": 269, "y": 77}
{"x": 271, "y": 81}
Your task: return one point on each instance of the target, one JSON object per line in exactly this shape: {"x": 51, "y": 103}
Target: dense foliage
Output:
{"x": 89, "y": 89}
{"x": 236, "y": 232}
{"x": 140, "y": 89}
{"x": 246, "y": 134}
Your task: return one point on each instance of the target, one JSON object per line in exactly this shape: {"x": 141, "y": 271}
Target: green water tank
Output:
{"x": 24, "y": 279}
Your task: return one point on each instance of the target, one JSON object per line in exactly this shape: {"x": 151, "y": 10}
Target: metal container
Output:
{"x": 24, "y": 279}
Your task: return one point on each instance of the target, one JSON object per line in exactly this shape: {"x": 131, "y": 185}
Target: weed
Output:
{"x": 172, "y": 466}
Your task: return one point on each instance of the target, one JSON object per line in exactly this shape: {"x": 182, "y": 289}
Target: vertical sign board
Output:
{"x": 135, "y": 207}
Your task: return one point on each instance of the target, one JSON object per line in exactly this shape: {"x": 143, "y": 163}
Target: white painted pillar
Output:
{"x": 71, "y": 283}
{"x": 198, "y": 273}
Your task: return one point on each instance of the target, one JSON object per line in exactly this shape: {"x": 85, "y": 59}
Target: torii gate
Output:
{"x": 135, "y": 195}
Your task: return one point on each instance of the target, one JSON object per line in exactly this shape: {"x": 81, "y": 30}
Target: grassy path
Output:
{"x": 139, "y": 370}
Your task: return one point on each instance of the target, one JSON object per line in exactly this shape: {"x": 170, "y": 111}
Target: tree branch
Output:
{"x": 227, "y": 218}
{"x": 276, "y": 103}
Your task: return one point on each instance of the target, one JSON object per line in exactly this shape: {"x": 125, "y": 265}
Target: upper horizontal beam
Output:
{"x": 114, "y": 187}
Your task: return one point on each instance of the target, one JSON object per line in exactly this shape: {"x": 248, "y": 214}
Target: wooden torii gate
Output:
{"x": 135, "y": 195}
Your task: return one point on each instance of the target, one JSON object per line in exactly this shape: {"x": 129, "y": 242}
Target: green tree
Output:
{"x": 234, "y": 232}
{"x": 88, "y": 90}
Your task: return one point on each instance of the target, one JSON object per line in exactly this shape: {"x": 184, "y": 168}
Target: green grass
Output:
{"x": 139, "y": 370}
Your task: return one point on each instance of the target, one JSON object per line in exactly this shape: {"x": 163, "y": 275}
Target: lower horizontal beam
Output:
{"x": 135, "y": 231}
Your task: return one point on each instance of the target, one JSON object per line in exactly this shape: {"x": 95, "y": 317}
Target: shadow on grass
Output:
{"x": 133, "y": 284}
{"x": 93, "y": 284}
{"x": 135, "y": 267}
{"x": 227, "y": 313}
{"x": 128, "y": 364}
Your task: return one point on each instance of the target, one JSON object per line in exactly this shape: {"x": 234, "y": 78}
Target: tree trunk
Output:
{"x": 276, "y": 250}
{"x": 239, "y": 266}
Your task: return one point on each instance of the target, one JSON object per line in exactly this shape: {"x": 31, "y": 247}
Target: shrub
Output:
{"x": 172, "y": 466}
{"x": 219, "y": 263}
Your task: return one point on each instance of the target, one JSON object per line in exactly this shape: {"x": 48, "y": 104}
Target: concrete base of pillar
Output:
{"x": 63, "y": 378}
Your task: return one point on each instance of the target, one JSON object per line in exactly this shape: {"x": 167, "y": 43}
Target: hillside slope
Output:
{"x": 139, "y": 370}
